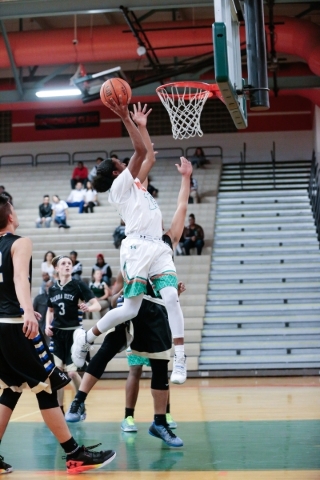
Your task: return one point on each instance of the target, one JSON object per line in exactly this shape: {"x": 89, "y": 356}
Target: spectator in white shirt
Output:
{"x": 90, "y": 198}
{"x": 76, "y": 197}
{"x": 60, "y": 212}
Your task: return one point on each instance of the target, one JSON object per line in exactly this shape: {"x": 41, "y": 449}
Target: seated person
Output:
{"x": 193, "y": 236}
{"x": 198, "y": 158}
{"x": 105, "y": 269}
{"x": 93, "y": 171}
{"x": 102, "y": 292}
{"x": 119, "y": 234}
{"x": 193, "y": 196}
{"x": 152, "y": 190}
{"x": 60, "y": 212}
{"x": 45, "y": 213}
{"x": 79, "y": 174}
{"x": 76, "y": 266}
{"x": 46, "y": 265}
{"x": 76, "y": 197}
{"x": 90, "y": 198}
{"x": 3, "y": 191}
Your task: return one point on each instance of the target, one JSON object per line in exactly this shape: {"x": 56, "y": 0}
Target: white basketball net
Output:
{"x": 184, "y": 105}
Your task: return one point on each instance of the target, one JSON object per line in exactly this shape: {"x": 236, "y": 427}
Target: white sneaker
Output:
{"x": 80, "y": 347}
{"x": 179, "y": 371}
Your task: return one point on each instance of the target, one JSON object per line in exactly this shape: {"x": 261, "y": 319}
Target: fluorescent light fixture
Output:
{"x": 63, "y": 92}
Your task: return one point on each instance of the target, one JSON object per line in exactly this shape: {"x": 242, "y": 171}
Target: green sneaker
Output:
{"x": 170, "y": 421}
{"x": 128, "y": 425}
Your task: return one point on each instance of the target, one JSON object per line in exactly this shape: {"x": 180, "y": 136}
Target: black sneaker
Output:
{"x": 58, "y": 379}
{"x": 4, "y": 467}
{"x": 83, "y": 459}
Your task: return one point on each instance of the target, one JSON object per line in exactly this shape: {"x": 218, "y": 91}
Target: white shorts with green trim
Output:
{"x": 142, "y": 258}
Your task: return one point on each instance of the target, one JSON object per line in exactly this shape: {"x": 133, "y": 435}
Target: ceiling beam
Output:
{"x": 11, "y": 59}
{"x": 41, "y": 8}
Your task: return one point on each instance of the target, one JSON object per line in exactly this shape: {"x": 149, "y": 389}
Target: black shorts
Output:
{"x": 23, "y": 361}
{"x": 152, "y": 334}
{"x": 62, "y": 343}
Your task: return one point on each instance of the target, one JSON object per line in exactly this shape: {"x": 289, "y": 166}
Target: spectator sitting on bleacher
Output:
{"x": 119, "y": 235}
{"x": 46, "y": 265}
{"x": 104, "y": 267}
{"x": 76, "y": 197}
{"x": 151, "y": 189}
{"x": 3, "y": 191}
{"x": 198, "y": 158}
{"x": 79, "y": 174}
{"x": 102, "y": 292}
{"x": 60, "y": 212}
{"x": 193, "y": 236}
{"x": 93, "y": 171}
{"x": 90, "y": 198}
{"x": 193, "y": 196}
{"x": 76, "y": 266}
{"x": 40, "y": 304}
{"x": 45, "y": 213}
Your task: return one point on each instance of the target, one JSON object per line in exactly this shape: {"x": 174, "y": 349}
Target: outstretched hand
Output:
{"x": 140, "y": 115}
{"x": 185, "y": 168}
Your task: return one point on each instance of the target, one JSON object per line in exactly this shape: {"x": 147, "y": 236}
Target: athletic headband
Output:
{"x": 56, "y": 260}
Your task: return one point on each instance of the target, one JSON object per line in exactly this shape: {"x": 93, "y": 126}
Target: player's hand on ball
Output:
{"x": 120, "y": 110}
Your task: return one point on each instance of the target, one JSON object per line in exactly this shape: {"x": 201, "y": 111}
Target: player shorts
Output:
{"x": 136, "y": 360}
{"x": 62, "y": 343}
{"x": 140, "y": 259}
{"x": 23, "y": 361}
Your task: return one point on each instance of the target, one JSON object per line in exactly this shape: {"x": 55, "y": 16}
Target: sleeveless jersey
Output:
{"x": 9, "y": 303}
{"x": 64, "y": 301}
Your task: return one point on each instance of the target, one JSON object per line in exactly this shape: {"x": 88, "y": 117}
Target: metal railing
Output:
{"x": 22, "y": 159}
{"x": 314, "y": 192}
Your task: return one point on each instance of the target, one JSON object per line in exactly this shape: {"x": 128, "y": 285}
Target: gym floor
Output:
{"x": 233, "y": 429}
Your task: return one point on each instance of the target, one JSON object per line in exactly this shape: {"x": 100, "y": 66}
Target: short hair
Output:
{"x": 46, "y": 196}
{"x": 56, "y": 196}
{"x": 192, "y": 216}
{"x": 104, "y": 178}
{"x": 5, "y": 210}
{"x": 73, "y": 252}
{"x": 114, "y": 155}
{"x": 80, "y": 162}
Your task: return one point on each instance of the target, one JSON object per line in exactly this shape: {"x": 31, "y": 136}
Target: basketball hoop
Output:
{"x": 184, "y": 102}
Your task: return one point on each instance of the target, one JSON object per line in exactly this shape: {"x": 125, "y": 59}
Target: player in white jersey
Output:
{"x": 143, "y": 254}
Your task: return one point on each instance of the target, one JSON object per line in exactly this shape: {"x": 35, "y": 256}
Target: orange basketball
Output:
{"x": 114, "y": 87}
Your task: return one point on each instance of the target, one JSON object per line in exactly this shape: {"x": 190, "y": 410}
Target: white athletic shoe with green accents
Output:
{"x": 128, "y": 425}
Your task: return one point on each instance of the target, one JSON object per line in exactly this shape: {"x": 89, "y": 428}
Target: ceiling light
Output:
{"x": 141, "y": 50}
{"x": 63, "y": 92}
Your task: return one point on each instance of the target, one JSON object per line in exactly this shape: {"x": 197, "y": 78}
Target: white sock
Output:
{"x": 91, "y": 336}
{"x": 179, "y": 350}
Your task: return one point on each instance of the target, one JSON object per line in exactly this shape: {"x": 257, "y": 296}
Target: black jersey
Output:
{"x": 64, "y": 301}
{"x": 9, "y": 303}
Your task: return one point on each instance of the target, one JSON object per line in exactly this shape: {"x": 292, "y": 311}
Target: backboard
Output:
{"x": 227, "y": 58}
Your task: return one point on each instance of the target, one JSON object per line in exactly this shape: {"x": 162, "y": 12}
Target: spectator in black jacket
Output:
{"x": 105, "y": 269}
{"x": 76, "y": 266}
{"x": 45, "y": 213}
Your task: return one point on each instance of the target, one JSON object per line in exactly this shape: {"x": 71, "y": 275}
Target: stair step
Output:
{"x": 265, "y": 319}
{"x": 256, "y": 297}
{"x": 276, "y": 276}
{"x": 256, "y": 345}
{"x": 240, "y": 310}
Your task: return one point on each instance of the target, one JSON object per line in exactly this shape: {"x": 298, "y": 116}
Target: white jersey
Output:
{"x": 137, "y": 208}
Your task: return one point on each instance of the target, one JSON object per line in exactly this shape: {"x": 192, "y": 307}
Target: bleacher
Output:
{"x": 91, "y": 234}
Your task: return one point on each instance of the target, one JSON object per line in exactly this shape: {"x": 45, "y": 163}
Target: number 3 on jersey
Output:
{"x": 1, "y": 276}
{"x": 62, "y": 310}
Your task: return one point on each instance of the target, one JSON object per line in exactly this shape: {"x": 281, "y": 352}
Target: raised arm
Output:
{"x": 140, "y": 150}
{"x": 177, "y": 225}
{"x": 140, "y": 117}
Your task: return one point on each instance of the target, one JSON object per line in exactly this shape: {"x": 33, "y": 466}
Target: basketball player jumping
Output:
{"x": 143, "y": 253}
{"x": 24, "y": 357}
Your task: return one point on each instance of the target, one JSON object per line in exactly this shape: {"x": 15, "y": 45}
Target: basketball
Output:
{"x": 114, "y": 87}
